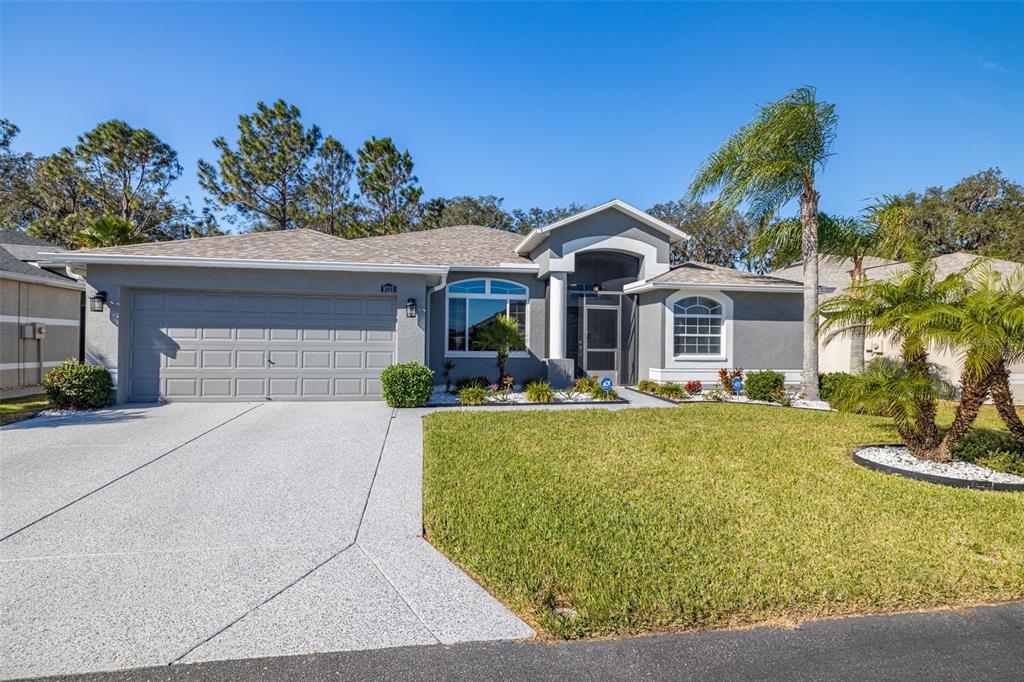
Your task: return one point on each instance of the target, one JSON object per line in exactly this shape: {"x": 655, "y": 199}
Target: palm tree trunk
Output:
{"x": 928, "y": 431}
{"x": 972, "y": 395}
{"x": 809, "y": 244}
{"x": 1002, "y": 396}
{"x": 857, "y": 333}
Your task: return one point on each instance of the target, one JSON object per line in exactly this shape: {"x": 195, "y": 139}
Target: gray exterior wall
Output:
{"x": 767, "y": 330}
{"x": 536, "y": 325}
{"x": 23, "y": 302}
{"x": 610, "y": 223}
{"x": 107, "y": 333}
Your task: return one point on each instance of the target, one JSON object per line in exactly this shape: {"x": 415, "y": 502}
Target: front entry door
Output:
{"x": 601, "y": 341}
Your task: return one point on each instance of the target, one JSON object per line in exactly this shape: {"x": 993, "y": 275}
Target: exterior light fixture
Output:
{"x": 410, "y": 308}
{"x": 97, "y": 300}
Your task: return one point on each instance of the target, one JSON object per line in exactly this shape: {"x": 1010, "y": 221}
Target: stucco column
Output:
{"x": 556, "y": 339}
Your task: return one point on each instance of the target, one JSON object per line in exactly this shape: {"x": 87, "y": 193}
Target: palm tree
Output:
{"x": 896, "y": 309}
{"x": 984, "y": 325}
{"x": 767, "y": 163}
{"x": 108, "y": 230}
{"x": 502, "y": 335}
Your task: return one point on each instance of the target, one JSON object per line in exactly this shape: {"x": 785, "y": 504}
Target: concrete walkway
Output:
{"x": 149, "y": 535}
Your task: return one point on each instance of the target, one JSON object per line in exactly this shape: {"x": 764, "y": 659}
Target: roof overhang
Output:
{"x": 83, "y": 258}
{"x": 501, "y": 267}
{"x": 45, "y": 281}
{"x": 538, "y": 235}
{"x": 644, "y": 286}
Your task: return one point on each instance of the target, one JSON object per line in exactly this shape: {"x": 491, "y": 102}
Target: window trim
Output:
{"x": 698, "y": 361}
{"x": 487, "y": 295}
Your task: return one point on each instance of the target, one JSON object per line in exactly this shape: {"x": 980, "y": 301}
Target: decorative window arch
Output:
{"x": 698, "y": 323}
{"x": 472, "y": 303}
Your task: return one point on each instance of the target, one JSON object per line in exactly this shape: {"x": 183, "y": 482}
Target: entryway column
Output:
{"x": 557, "y": 287}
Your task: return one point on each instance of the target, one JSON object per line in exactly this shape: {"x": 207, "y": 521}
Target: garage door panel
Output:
{"x": 222, "y": 346}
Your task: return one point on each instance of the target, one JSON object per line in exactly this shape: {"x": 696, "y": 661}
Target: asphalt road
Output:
{"x": 985, "y": 643}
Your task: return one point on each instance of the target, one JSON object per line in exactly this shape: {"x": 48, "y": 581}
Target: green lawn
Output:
{"x": 16, "y": 409}
{"x": 704, "y": 516}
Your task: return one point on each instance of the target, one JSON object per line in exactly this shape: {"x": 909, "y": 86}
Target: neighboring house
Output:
{"x": 835, "y": 354}
{"x": 303, "y": 315}
{"x": 40, "y": 311}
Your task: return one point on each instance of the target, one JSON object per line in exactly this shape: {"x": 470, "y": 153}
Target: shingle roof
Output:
{"x": 285, "y": 245}
{"x": 695, "y": 272}
{"x": 12, "y": 264}
{"x": 456, "y": 245}
{"x": 947, "y": 264}
{"x": 22, "y": 239}
{"x": 831, "y": 273}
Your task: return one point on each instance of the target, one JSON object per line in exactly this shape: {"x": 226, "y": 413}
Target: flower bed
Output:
{"x": 722, "y": 397}
{"x": 583, "y": 393}
{"x": 896, "y": 459}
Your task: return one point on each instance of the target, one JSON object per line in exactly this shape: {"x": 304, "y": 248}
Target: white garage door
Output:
{"x": 233, "y": 346}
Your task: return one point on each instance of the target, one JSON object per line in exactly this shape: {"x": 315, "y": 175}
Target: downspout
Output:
{"x": 81, "y": 328}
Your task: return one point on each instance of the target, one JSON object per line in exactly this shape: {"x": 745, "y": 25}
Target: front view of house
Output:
{"x": 301, "y": 315}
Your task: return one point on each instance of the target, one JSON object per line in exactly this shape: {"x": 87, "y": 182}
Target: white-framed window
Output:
{"x": 472, "y": 303}
{"x": 697, "y": 324}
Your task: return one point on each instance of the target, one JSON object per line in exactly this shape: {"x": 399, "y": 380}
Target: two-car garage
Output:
{"x": 196, "y": 345}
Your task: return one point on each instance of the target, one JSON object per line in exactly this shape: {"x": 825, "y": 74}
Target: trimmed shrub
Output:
{"x": 693, "y": 387}
{"x": 671, "y": 390}
{"x": 473, "y": 394}
{"x": 996, "y": 450}
{"x": 70, "y": 384}
{"x": 471, "y": 381}
{"x": 598, "y": 393}
{"x": 540, "y": 392}
{"x": 647, "y": 386}
{"x": 765, "y": 385}
{"x": 828, "y": 382}
{"x": 407, "y": 384}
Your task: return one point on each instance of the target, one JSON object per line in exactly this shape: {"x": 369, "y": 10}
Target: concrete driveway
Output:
{"x": 150, "y": 535}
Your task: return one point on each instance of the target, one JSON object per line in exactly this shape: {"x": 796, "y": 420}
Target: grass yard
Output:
{"x": 16, "y": 409}
{"x": 704, "y": 516}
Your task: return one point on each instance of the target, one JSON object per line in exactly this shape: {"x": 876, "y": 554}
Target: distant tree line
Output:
{"x": 112, "y": 187}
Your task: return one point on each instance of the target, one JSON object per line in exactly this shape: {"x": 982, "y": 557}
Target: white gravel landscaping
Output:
{"x": 898, "y": 457}
{"x": 797, "y": 402}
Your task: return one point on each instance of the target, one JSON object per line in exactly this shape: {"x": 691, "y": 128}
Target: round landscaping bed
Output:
{"x": 896, "y": 459}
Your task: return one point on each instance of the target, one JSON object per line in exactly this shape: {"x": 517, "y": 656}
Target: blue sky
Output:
{"x": 541, "y": 104}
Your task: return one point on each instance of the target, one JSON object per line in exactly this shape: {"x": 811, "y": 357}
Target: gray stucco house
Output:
{"x": 301, "y": 315}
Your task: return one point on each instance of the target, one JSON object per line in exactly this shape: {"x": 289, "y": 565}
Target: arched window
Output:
{"x": 472, "y": 303}
{"x": 697, "y": 326}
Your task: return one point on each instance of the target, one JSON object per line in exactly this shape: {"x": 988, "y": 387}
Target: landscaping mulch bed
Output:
{"x": 896, "y": 460}
{"x": 820, "y": 405}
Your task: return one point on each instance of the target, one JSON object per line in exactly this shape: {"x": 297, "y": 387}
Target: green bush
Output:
{"x": 540, "y": 392}
{"x": 70, "y": 384}
{"x": 473, "y": 394}
{"x": 671, "y": 390}
{"x": 471, "y": 381}
{"x": 598, "y": 393}
{"x": 764, "y": 385}
{"x": 993, "y": 449}
{"x": 647, "y": 386}
{"x": 407, "y": 385}
{"x": 529, "y": 381}
{"x": 828, "y": 382}
{"x": 586, "y": 384}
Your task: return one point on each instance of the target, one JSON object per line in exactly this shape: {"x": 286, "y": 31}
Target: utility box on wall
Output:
{"x": 33, "y": 330}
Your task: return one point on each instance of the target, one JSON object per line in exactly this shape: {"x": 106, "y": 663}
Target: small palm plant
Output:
{"x": 503, "y": 336}
{"x": 108, "y": 230}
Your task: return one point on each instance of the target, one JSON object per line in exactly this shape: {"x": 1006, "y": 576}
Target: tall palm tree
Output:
{"x": 108, "y": 230}
{"x": 767, "y": 163}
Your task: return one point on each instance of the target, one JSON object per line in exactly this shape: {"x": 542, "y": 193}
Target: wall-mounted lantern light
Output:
{"x": 410, "y": 308}
{"x": 96, "y": 301}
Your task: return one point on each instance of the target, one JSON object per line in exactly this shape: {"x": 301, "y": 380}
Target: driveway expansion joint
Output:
{"x": 129, "y": 473}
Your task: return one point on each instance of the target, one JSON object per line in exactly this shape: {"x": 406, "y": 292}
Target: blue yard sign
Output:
{"x": 606, "y": 384}
{"x": 737, "y": 385}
